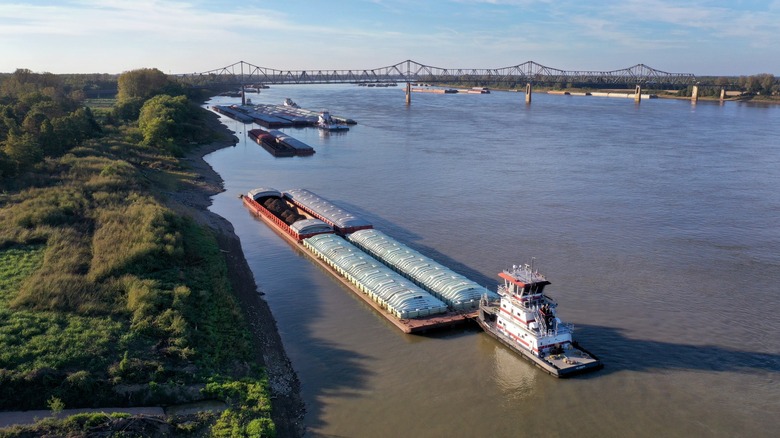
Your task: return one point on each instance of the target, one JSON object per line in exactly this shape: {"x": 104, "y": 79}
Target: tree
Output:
{"x": 24, "y": 82}
{"x": 32, "y": 122}
{"x": 69, "y": 131}
{"x": 6, "y": 166}
{"x": 722, "y": 81}
{"x": 128, "y": 109}
{"x": 161, "y": 121}
{"x": 764, "y": 83}
{"x": 23, "y": 150}
{"x": 142, "y": 83}
{"x": 767, "y": 82}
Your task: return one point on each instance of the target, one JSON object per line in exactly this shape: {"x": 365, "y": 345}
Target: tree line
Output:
{"x": 43, "y": 115}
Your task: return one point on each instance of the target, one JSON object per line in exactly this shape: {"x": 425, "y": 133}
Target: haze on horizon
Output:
{"x": 706, "y": 38}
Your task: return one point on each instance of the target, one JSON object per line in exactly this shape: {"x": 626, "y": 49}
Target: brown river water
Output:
{"x": 658, "y": 225}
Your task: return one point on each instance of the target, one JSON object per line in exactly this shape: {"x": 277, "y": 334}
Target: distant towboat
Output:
{"x": 326, "y": 122}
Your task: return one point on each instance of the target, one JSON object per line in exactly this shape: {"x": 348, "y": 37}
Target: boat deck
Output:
{"x": 572, "y": 359}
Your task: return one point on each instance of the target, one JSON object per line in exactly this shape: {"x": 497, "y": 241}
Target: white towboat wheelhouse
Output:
{"x": 527, "y": 315}
{"x": 525, "y": 320}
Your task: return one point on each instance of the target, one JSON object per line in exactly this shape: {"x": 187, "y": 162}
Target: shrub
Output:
{"x": 249, "y": 411}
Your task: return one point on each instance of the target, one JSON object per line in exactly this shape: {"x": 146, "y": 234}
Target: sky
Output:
{"x": 717, "y": 38}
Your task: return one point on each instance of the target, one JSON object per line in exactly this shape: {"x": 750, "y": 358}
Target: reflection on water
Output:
{"x": 514, "y": 376}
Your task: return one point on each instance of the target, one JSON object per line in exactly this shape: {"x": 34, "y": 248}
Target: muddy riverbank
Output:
{"x": 194, "y": 200}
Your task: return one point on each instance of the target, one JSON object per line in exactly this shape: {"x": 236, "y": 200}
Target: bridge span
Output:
{"x": 411, "y": 71}
{"x": 526, "y": 74}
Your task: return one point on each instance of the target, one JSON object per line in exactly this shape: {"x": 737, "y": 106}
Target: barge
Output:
{"x": 342, "y": 221}
{"x": 279, "y": 144}
{"x": 269, "y": 204}
{"x": 286, "y": 114}
{"x": 298, "y": 146}
{"x": 525, "y": 320}
{"x": 457, "y": 291}
{"x": 399, "y": 300}
{"x": 269, "y": 143}
{"x": 233, "y": 112}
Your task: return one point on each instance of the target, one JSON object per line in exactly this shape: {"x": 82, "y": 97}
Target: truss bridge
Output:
{"x": 410, "y": 71}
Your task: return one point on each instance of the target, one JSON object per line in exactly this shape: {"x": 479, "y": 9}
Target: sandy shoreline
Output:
{"x": 288, "y": 407}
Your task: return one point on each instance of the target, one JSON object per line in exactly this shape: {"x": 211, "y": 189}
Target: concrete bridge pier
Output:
{"x": 528, "y": 93}
{"x": 722, "y": 94}
{"x": 638, "y": 94}
{"x": 695, "y": 94}
{"x": 408, "y": 93}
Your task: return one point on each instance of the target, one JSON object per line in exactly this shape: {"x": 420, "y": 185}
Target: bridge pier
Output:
{"x": 528, "y": 93}
{"x": 722, "y": 94}
{"x": 408, "y": 93}
{"x": 638, "y": 94}
{"x": 695, "y": 94}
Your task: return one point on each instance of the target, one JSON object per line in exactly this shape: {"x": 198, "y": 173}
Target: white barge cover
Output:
{"x": 308, "y": 226}
{"x": 325, "y": 210}
{"x": 263, "y": 192}
{"x": 457, "y": 291}
{"x": 393, "y": 292}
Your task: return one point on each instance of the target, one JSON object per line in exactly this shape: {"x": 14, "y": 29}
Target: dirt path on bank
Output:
{"x": 194, "y": 200}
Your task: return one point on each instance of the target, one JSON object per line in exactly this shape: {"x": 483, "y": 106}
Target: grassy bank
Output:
{"x": 110, "y": 298}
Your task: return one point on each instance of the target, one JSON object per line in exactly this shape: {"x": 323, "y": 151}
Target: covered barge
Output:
{"x": 341, "y": 220}
{"x": 281, "y": 116}
{"x": 457, "y": 291}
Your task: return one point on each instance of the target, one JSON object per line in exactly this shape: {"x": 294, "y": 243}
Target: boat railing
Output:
{"x": 553, "y": 329}
{"x": 486, "y": 300}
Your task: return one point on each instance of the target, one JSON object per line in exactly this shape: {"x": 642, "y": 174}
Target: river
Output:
{"x": 658, "y": 225}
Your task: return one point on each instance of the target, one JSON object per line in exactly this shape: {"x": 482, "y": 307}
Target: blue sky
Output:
{"x": 111, "y": 36}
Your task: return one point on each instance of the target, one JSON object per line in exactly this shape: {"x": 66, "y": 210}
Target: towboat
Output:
{"x": 326, "y": 122}
{"x": 525, "y": 319}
